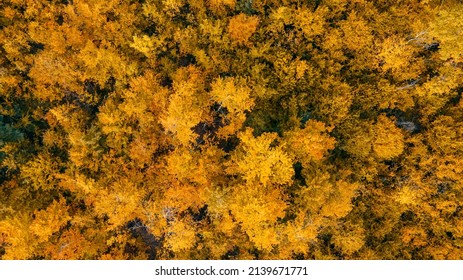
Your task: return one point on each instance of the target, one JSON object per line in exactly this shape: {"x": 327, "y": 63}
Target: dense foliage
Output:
{"x": 231, "y": 129}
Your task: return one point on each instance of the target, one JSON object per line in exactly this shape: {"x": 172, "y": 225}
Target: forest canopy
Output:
{"x": 231, "y": 129}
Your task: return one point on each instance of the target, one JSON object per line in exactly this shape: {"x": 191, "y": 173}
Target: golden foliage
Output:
{"x": 220, "y": 6}
{"x": 310, "y": 143}
{"x": 241, "y": 27}
{"x": 233, "y": 98}
{"x": 20, "y": 242}
{"x": 50, "y": 220}
{"x": 447, "y": 28}
{"x": 40, "y": 172}
{"x": 120, "y": 202}
{"x": 226, "y": 129}
{"x": 180, "y": 236}
{"x": 357, "y": 34}
{"x": 258, "y": 161}
{"x": 388, "y": 141}
{"x": 185, "y": 109}
{"x": 257, "y": 210}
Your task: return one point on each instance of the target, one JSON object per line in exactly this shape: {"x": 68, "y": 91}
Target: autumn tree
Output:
{"x": 222, "y": 129}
